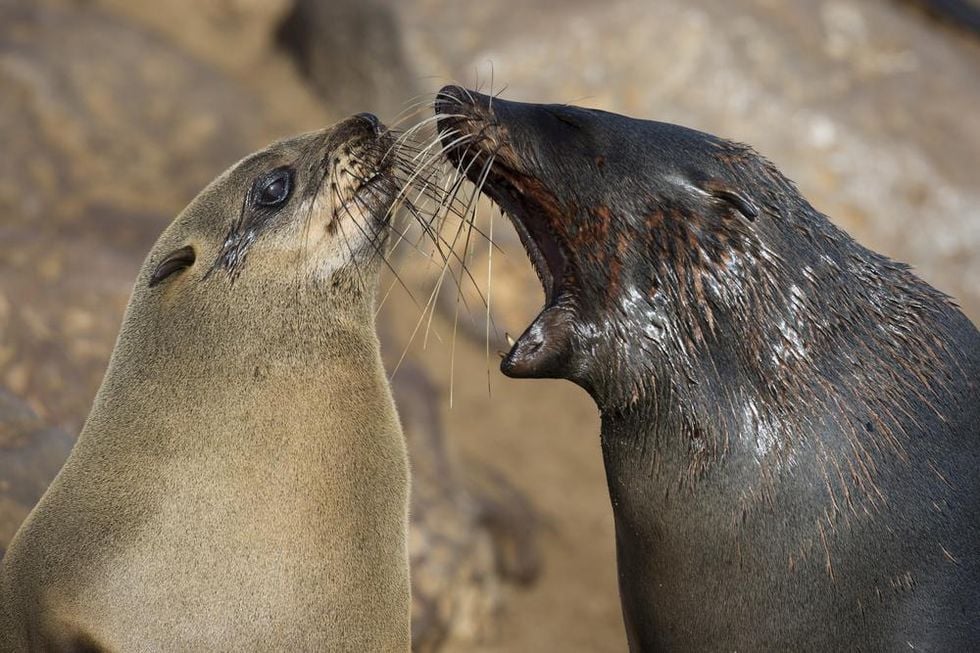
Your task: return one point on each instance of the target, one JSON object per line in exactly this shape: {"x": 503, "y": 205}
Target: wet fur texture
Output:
{"x": 241, "y": 482}
{"x": 790, "y": 421}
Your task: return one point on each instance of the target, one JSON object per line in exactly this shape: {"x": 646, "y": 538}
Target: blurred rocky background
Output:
{"x": 115, "y": 113}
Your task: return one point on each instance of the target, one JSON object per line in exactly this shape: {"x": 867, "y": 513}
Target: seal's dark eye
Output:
{"x": 273, "y": 188}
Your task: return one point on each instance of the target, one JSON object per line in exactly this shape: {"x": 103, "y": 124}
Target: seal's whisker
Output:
{"x": 489, "y": 298}
{"x": 455, "y": 185}
{"x": 438, "y": 140}
{"x": 436, "y": 238}
{"x": 424, "y": 185}
{"x": 427, "y": 228}
{"x": 410, "y": 132}
{"x": 397, "y": 203}
{"x": 408, "y": 182}
{"x": 490, "y": 105}
{"x": 458, "y": 180}
{"x": 487, "y": 166}
{"x": 459, "y": 291}
{"x": 377, "y": 250}
{"x": 458, "y": 184}
{"x": 408, "y": 137}
{"x": 371, "y": 239}
{"x": 433, "y": 192}
{"x": 421, "y": 101}
{"x": 425, "y": 96}
{"x": 447, "y": 98}
{"x": 402, "y": 234}
{"x": 464, "y": 267}
{"x": 433, "y": 195}
{"x": 499, "y": 93}
{"x": 412, "y": 108}
{"x": 446, "y": 201}
{"x": 464, "y": 214}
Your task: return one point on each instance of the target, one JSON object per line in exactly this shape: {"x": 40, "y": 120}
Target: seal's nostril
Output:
{"x": 372, "y": 120}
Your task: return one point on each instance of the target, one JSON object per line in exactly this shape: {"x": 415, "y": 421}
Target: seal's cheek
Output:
{"x": 544, "y": 350}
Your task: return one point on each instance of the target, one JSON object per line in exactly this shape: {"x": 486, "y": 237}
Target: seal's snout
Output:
{"x": 462, "y": 112}
{"x": 450, "y": 99}
{"x": 360, "y": 126}
{"x": 458, "y": 115}
{"x": 370, "y": 140}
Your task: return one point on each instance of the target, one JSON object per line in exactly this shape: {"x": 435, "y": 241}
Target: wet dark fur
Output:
{"x": 790, "y": 421}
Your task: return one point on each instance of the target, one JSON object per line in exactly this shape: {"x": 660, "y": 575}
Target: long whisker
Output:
{"x": 457, "y": 185}
{"x": 476, "y": 193}
{"x": 489, "y": 297}
{"x": 429, "y": 307}
{"x": 377, "y": 249}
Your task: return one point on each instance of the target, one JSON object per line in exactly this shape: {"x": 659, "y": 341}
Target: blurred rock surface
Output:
{"x": 30, "y": 456}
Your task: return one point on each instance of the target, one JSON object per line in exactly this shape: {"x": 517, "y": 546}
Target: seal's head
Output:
{"x": 614, "y": 213}
{"x": 665, "y": 252}
{"x": 305, "y": 218}
{"x": 285, "y": 246}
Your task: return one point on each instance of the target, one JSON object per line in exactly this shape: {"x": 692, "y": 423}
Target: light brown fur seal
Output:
{"x": 241, "y": 482}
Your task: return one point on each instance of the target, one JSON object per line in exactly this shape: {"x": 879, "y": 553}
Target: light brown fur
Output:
{"x": 241, "y": 482}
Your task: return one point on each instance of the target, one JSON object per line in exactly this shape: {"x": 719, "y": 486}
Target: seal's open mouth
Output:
{"x": 479, "y": 144}
{"x": 531, "y": 209}
{"x": 529, "y": 205}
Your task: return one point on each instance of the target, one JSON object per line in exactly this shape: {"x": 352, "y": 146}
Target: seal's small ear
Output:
{"x": 174, "y": 262}
{"x": 725, "y": 192}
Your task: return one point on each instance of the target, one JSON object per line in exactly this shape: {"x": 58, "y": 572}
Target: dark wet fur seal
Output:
{"x": 789, "y": 420}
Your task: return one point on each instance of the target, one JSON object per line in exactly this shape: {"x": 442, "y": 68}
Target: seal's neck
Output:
{"x": 810, "y": 340}
{"x": 224, "y": 373}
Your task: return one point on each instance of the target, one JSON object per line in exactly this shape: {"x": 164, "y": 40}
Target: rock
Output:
{"x": 351, "y": 53}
